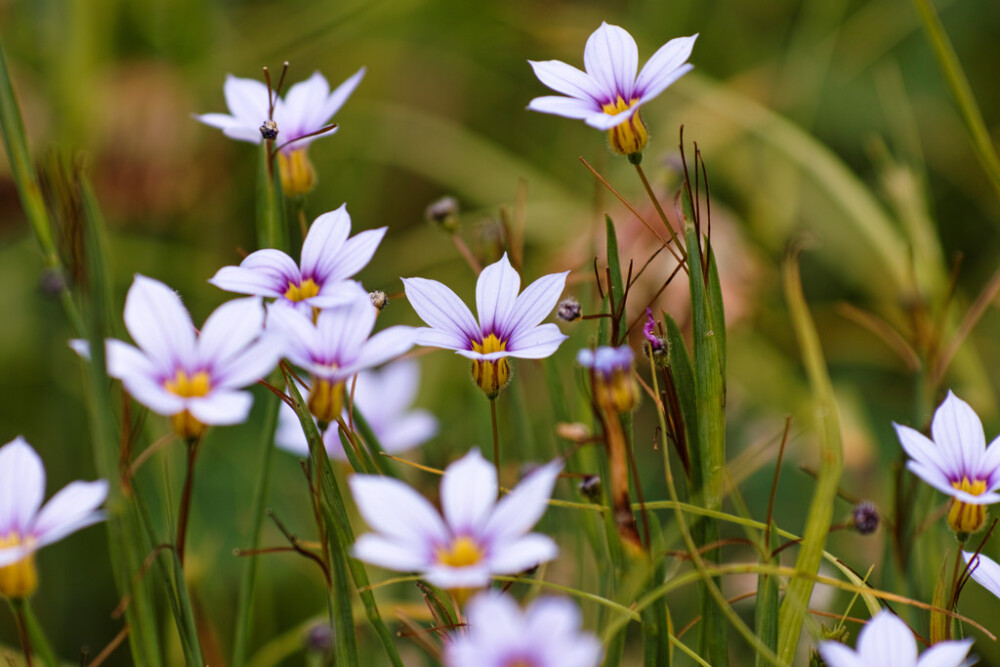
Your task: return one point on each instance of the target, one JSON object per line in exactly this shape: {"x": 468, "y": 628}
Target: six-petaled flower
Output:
{"x": 476, "y": 537}
{"x": 508, "y": 326}
{"x": 885, "y": 641}
{"x": 607, "y": 96}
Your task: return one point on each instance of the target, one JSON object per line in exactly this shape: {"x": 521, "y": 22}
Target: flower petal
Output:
{"x": 159, "y": 323}
{"x": 836, "y": 654}
{"x": 339, "y": 96}
{"x": 22, "y": 486}
{"x": 252, "y": 363}
{"x": 73, "y": 508}
{"x": 357, "y": 252}
{"x": 406, "y": 431}
{"x": 957, "y": 431}
{"x": 522, "y": 554}
{"x": 567, "y": 107}
{"x": 388, "y": 553}
{"x": 521, "y": 509}
{"x": 536, "y": 302}
{"x": 473, "y": 576}
{"x": 398, "y": 512}
{"x": 946, "y": 654}
{"x": 468, "y": 493}
{"x": 568, "y": 80}
{"x": 301, "y": 103}
{"x": 885, "y": 640}
{"x": 247, "y": 99}
{"x": 324, "y": 242}
{"x": 496, "y": 292}
{"x": 537, "y": 343}
{"x": 985, "y": 571}
{"x": 153, "y": 395}
{"x": 278, "y": 266}
{"x": 382, "y": 347}
{"x": 221, "y": 407}
{"x": 611, "y": 58}
{"x": 664, "y": 67}
{"x": 446, "y": 340}
{"x": 441, "y": 308}
{"x": 128, "y": 361}
{"x": 920, "y": 448}
{"x": 249, "y": 281}
{"x": 296, "y": 330}
{"x": 228, "y": 330}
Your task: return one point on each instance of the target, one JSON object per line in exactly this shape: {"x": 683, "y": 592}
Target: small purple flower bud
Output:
{"x": 319, "y": 639}
{"x": 269, "y": 130}
{"x": 444, "y": 212}
{"x": 52, "y": 282}
{"x": 649, "y": 332}
{"x": 866, "y": 517}
{"x": 568, "y": 309}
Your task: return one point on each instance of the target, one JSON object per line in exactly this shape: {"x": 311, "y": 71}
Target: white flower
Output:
{"x": 329, "y": 258}
{"x": 508, "y": 326}
{"x": 383, "y": 398}
{"x": 608, "y": 95}
{"x": 985, "y": 571}
{"x": 192, "y": 377}
{"x": 475, "y": 538}
{"x": 546, "y": 634}
{"x": 957, "y": 462}
{"x": 885, "y": 641}
{"x": 24, "y": 528}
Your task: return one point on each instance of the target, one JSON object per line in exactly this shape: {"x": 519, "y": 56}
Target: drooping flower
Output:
{"x": 957, "y": 462}
{"x": 191, "y": 377}
{"x": 299, "y": 117}
{"x": 383, "y": 398}
{"x": 885, "y": 641}
{"x": 499, "y": 634}
{"x": 476, "y": 538}
{"x": 984, "y": 570}
{"x": 508, "y": 326}
{"x": 24, "y": 528}
{"x": 336, "y": 347}
{"x": 611, "y": 373}
{"x": 607, "y": 96}
{"x": 320, "y": 280}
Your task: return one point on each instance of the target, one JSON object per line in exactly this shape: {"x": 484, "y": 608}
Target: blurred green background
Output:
{"x": 825, "y": 122}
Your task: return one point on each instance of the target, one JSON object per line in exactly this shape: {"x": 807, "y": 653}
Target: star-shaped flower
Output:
{"x": 508, "y": 326}
{"x": 329, "y": 258}
{"x": 885, "y": 641}
{"x": 24, "y": 528}
{"x": 189, "y": 376}
{"x": 957, "y": 462}
{"x": 607, "y": 96}
{"x": 499, "y": 634}
{"x": 475, "y": 538}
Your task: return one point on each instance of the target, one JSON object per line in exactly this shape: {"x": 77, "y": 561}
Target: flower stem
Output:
{"x": 659, "y": 210}
{"x": 185, "y": 509}
{"x": 466, "y": 254}
{"x": 496, "y": 438}
{"x": 17, "y": 606}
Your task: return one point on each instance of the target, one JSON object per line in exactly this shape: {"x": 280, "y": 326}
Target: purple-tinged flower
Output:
{"x": 611, "y": 375}
{"x": 499, "y": 634}
{"x": 336, "y": 347}
{"x": 885, "y": 641}
{"x": 984, "y": 570}
{"x": 329, "y": 258}
{"x": 608, "y": 95}
{"x": 189, "y": 376}
{"x": 508, "y": 326}
{"x": 649, "y": 333}
{"x": 476, "y": 537}
{"x": 383, "y": 398}
{"x": 24, "y": 528}
{"x": 298, "y": 120}
{"x": 957, "y": 462}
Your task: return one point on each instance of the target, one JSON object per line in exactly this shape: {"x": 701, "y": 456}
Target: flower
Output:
{"x": 608, "y": 95}
{"x": 508, "y": 323}
{"x": 300, "y": 117}
{"x": 985, "y": 571}
{"x": 191, "y": 377}
{"x": 477, "y": 536}
{"x": 329, "y": 258}
{"x": 336, "y": 347}
{"x": 546, "y": 634}
{"x": 24, "y": 528}
{"x": 383, "y": 398}
{"x": 611, "y": 373}
{"x": 957, "y": 462}
{"x": 885, "y": 641}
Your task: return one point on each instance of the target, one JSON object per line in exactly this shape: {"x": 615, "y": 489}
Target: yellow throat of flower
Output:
{"x": 490, "y": 376}
{"x": 630, "y": 137}
{"x": 326, "y": 400}
{"x": 464, "y": 551}
{"x": 967, "y": 517}
{"x": 619, "y": 391}
{"x": 302, "y": 291}
{"x": 18, "y": 580}
{"x": 188, "y": 386}
{"x": 297, "y": 174}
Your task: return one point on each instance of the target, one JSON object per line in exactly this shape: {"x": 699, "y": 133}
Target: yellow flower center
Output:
{"x": 302, "y": 291}
{"x": 630, "y": 137}
{"x": 967, "y": 517}
{"x": 464, "y": 551}
{"x": 490, "y": 376}
{"x": 520, "y": 662}
{"x": 326, "y": 400}
{"x": 18, "y": 580}
{"x": 297, "y": 174}
{"x": 197, "y": 384}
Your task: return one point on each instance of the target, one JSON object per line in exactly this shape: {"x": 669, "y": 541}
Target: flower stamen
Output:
{"x": 189, "y": 386}
{"x": 464, "y": 551}
{"x": 301, "y": 291}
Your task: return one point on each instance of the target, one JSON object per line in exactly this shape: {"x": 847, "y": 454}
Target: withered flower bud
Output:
{"x": 269, "y": 130}
{"x": 568, "y": 309}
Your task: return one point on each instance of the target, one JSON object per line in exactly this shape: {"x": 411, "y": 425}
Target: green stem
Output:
{"x": 185, "y": 509}
{"x": 17, "y": 606}
{"x": 496, "y": 437}
{"x": 659, "y": 210}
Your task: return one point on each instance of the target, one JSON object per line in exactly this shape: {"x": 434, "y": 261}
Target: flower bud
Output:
{"x": 444, "y": 212}
{"x": 590, "y": 488}
{"x": 865, "y": 517}
{"x": 379, "y": 299}
{"x": 298, "y": 177}
{"x": 319, "y": 639}
{"x": 568, "y": 309}
{"x": 611, "y": 370}
{"x": 326, "y": 400}
{"x": 630, "y": 137}
{"x": 269, "y": 130}
{"x": 491, "y": 375}
{"x": 19, "y": 579}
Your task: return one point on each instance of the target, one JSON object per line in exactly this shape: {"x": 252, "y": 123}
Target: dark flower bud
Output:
{"x": 865, "y": 516}
{"x": 568, "y": 309}
{"x": 379, "y": 299}
{"x": 444, "y": 212}
{"x": 52, "y": 282}
{"x": 590, "y": 488}
{"x": 319, "y": 639}
{"x": 269, "y": 130}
